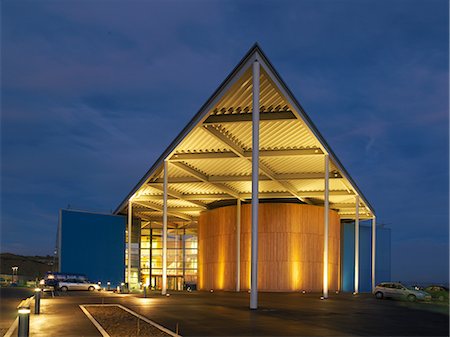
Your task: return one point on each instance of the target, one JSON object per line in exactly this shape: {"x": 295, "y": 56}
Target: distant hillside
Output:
{"x": 31, "y": 266}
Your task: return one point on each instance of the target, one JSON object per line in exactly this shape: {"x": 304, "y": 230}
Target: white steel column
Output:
{"x": 325, "y": 231}
{"x": 374, "y": 234}
{"x": 255, "y": 188}
{"x": 357, "y": 244}
{"x": 164, "y": 257}
{"x": 130, "y": 221}
{"x": 238, "y": 245}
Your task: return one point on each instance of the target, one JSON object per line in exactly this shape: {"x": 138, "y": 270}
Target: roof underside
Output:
{"x": 211, "y": 159}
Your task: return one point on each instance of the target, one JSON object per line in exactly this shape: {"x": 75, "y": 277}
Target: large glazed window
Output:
{"x": 181, "y": 257}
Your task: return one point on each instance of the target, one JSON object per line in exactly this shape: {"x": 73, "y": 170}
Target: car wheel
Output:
{"x": 64, "y": 288}
{"x": 441, "y": 298}
{"x": 412, "y": 298}
{"x": 91, "y": 288}
{"x": 379, "y": 295}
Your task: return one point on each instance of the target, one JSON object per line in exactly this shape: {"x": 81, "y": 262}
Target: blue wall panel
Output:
{"x": 348, "y": 257}
{"x": 382, "y": 258}
{"x": 94, "y": 245}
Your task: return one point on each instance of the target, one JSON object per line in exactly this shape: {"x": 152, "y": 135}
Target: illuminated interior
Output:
{"x": 181, "y": 257}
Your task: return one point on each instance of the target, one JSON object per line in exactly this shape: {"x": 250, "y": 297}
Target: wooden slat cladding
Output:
{"x": 290, "y": 248}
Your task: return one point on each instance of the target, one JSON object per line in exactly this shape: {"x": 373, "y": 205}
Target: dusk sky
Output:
{"x": 94, "y": 91}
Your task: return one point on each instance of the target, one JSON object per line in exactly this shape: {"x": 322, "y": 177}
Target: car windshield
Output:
{"x": 412, "y": 287}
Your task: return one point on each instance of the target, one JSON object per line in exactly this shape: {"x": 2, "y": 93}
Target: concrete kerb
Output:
{"x": 92, "y": 319}
{"x": 145, "y": 319}
{"x": 14, "y": 325}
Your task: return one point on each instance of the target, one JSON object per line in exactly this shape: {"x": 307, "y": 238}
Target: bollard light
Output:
{"x": 145, "y": 291}
{"x": 37, "y": 301}
{"x": 24, "y": 322}
{"x": 109, "y": 285}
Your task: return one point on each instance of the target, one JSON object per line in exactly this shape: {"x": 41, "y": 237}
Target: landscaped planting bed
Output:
{"x": 118, "y": 322}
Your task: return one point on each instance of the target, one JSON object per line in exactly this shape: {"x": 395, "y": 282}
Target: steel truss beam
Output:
{"x": 247, "y": 117}
{"x": 241, "y": 153}
{"x": 246, "y": 154}
{"x": 263, "y": 195}
{"x": 154, "y": 207}
{"x": 175, "y": 195}
{"x": 226, "y": 179}
{"x": 204, "y": 178}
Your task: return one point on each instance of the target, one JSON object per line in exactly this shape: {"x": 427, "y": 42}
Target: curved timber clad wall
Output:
{"x": 290, "y": 248}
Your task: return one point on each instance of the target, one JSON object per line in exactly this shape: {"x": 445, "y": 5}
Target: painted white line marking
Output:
{"x": 145, "y": 319}
{"x": 15, "y": 324}
{"x": 92, "y": 319}
{"x": 12, "y": 328}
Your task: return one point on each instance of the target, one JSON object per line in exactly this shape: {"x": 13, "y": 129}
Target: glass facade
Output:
{"x": 135, "y": 257}
{"x": 181, "y": 258}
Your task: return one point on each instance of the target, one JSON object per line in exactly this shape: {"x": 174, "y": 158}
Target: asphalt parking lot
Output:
{"x": 227, "y": 314}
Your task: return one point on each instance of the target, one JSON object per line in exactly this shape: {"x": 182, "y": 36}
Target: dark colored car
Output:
{"x": 439, "y": 293}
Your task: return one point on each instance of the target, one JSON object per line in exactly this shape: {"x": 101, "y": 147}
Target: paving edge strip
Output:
{"x": 105, "y": 334}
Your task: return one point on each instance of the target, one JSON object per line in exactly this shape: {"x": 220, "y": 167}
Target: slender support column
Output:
{"x": 130, "y": 222}
{"x": 183, "y": 247}
{"x": 325, "y": 231}
{"x": 357, "y": 244}
{"x": 151, "y": 258}
{"x": 164, "y": 257}
{"x": 374, "y": 234}
{"x": 238, "y": 245}
{"x": 255, "y": 188}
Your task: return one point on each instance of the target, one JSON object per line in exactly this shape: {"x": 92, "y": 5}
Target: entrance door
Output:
{"x": 173, "y": 282}
{"x": 156, "y": 282}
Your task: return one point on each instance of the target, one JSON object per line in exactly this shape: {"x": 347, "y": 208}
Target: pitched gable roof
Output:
{"x": 210, "y": 159}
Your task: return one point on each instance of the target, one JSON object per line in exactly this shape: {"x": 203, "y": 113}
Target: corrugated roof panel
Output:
{"x": 219, "y": 167}
{"x": 265, "y": 186}
{"x": 200, "y": 140}
{"x": 304, "y": 164}
{"x": 337, "y": 199}
{"x": 150, "y": 213}
{"x": 270, "y": 186}
{"x": 195, "y": 188}
{"x": 315, "y": 184}
{"x": 282, "y": 134}
{"x": 175, "y": 172}
{"x": 148, "y": 190}
{"x": 170, "y": 203}
{"x": 239, "y": 98}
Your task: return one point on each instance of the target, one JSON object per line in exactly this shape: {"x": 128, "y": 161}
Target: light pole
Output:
{"x": 14, "y": 270}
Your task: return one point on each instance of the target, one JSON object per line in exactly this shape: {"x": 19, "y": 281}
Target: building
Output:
{"x": 249, "y": 196}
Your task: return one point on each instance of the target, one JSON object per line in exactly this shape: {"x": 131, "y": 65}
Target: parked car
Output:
{"x": 438, "y": 292}
{"x": 77, "y": 285}
{"x": 397, "y": 290}
{"x": 52, "y": 280}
